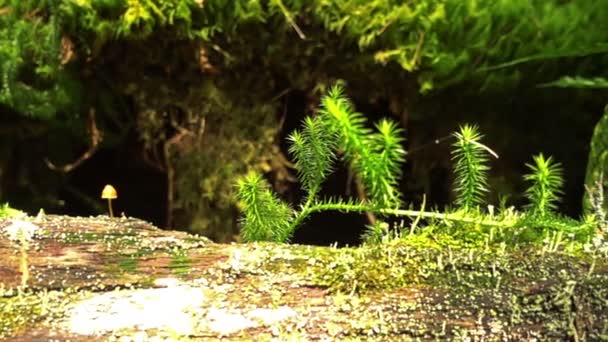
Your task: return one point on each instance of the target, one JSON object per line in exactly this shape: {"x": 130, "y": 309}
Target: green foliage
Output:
{"x": 228, "y": 135}
{"x": 375, "y": 157}
{"x": 132, "y": 19}
{"x": 439, "y": 42}
{"x": 446, "y": 41}
{"x": 7, "y": 212}
{"x": 452, "y": 40}
{"x": 375, "y": 233}
{"x": 578, "y": 82}
{"x": 30, "y": 70}
{"x": 266, "y": 217}
{"x": 387, "y": 159}
{"x": 313, "y": 152}
{"x": 41, "y": 39}
{"x": 52, "y": 52}
{"x": 470, "y": 167}
{"x": 597, "y": 162}
{"x": 546, "y": 183}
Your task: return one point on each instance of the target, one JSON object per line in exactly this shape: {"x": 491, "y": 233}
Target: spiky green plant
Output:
{"x": 388, "y": 157}
{"x": 470, "y": 167}
{"x": 7, "y": 212}
{"x": 313, "y": 153}
{"x": 375, "y": 157}
{"x": 266, "y": 218}
{"x": 546, "y": 183}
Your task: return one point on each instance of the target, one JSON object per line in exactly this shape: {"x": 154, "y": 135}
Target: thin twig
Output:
{"x": 418, "y": 48}
{"x": 96, "y": 138}
{"x": 371, "y": 218}
{"x": 290, "y": 19}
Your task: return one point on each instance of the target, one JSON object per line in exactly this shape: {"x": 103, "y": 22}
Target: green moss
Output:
{"x": 128, "y": 264}
{"x": 18, "y": 311}
{"x": 180, "y": 264}
{"x": 511, "y": 288}
{"x": 17, "y": 314}
{"x": 7, "y": 212}
{"x": 477, "y": 290}
{"x": 416, "y": 287}
{"x": 80, "y": 237}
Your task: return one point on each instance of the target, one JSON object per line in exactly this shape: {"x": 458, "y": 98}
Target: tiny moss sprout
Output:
{"x": 7, "y": 212}
{"x": 546, "y": 183}
{"x": 22, "y": 232}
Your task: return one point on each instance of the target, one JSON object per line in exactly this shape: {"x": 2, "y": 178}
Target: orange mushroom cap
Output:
{"x": 109, "y": 192}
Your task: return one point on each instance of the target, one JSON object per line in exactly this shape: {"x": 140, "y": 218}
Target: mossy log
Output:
{"x": 100, "y": 279}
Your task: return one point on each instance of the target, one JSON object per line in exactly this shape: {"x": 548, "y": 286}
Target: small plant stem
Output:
{"x": 358, "y": 208}
{"x": 592, "y": 267}
{"x": 441, "y": 216}
{"x": 23, "y": 265}
{"x": 415, "y": 224}
{"x": 305, "y": 211}
{"x": 371, "y": 218}
{"x": 310, "y": 198}
{"x": 300, "y": 216}
{"x": 110, "y": 208}
{"x": 289, "y": 18}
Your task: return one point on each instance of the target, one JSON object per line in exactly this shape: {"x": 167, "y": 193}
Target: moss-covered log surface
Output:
{"x": 100, "y": 279}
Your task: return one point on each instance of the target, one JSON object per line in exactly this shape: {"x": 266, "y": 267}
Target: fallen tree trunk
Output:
{"x": 96, "y": 279}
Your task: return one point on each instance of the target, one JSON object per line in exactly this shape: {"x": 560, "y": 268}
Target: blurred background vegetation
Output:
{"x": 172, "y": 100}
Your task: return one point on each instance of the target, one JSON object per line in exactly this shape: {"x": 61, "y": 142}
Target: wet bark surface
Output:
{"x": 98, "y": 279}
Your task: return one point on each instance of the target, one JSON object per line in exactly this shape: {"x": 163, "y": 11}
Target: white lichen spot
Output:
{"x": 223, "y": 322}
{"x": 165, "y": 308}
{"x": 235, "y": 260}
{"x": 20, "y": 229}
{"x": 166, "y": 282}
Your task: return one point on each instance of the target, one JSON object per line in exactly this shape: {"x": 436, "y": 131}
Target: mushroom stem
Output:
{"x": 110, "y": 207}
{"x": 109, "y": 193}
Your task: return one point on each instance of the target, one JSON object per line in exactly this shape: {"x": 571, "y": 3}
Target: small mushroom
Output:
{"x": 109, "y": 193}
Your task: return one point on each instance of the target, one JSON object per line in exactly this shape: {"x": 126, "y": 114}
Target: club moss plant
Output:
{"x": 7, "y": 212}
{"x": 546, "y": 183}
{"x": 337, "y": 133}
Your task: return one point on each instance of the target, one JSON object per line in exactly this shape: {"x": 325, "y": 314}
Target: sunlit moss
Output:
{"x": 20, "y": 311}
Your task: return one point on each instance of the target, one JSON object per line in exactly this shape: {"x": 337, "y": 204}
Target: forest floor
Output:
{"x": 122, "y": 279}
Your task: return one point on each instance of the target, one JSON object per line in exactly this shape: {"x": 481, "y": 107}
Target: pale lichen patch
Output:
{"x": 164, "y": 308}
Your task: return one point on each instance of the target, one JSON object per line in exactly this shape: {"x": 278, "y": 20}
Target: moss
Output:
{"x": 180, "y": 264}
{"x": 79, "y": 237}
{"x": 128, "y": 264}
{"x": 16, "y": 314}
{"x": 429, "y": 288}
{"x": 7, "y": 212}
{"x": 417, "y": 287}
{"x": 18, "y": 311}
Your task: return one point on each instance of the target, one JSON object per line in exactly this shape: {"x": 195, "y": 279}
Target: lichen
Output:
{"x": 415, "y": 287}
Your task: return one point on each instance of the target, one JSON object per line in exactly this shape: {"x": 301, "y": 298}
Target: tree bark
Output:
{"x": 92, "y": 279}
